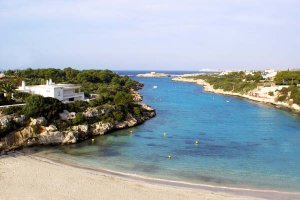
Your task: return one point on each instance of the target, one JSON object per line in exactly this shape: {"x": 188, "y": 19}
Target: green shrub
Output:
{"x": 97, "y": 102}
{"x": 12, "y": 110}
{"x": 282, "y": 98}
{"x": 295, "y": 94}
{"x": 76, "y": 106}
{"x": 122, "y": 99}
{"x": 137, "y": 111}
{"x": 38, "y": 106}
{"x": 118, "y": 115}
{"x": 79, "y": 119}
{"x": 61, "y": 125}
{"x": 287, "y": 77}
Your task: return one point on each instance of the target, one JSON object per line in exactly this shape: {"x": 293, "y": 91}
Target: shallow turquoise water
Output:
{"x": 241, "y": 144}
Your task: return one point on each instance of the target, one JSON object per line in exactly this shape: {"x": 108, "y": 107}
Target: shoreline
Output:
{"x": 49, "y": 134}
{"x": 209, "y": 88}
{"x": 213, "y": 191}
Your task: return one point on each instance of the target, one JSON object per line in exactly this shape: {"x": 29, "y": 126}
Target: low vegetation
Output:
{"x": 288, "y": 77}
{"x": 290, "y": 93}
{"x": 233, "y": 82}
{"x": 241, "y": 83}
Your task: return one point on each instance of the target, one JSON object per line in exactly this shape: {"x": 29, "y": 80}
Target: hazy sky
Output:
{"x": 150, "y": 34}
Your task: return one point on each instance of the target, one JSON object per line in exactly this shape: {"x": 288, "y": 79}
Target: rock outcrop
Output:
{"x": 37, "y": 133}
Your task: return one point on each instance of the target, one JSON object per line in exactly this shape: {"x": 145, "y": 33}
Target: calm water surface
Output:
{"x": 241, "y": 144}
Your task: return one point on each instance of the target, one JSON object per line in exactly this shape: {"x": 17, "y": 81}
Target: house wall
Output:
{"x": 45, "y": 91}
{"x": 59, "y": 93}
{"x": 71, "y": 94}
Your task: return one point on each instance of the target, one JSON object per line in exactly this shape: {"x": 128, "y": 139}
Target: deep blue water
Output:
{"x": 241, "y": 144}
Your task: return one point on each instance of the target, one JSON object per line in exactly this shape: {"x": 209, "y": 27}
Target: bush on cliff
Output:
{"x": 237, "y": 82}
{"x": 137, "y": 111}
{"x": 292, "y": 92}
{"x": 79, "y": 119}
{"x": 38, "y": 106}
{"x": 12, "y": 110}
{"x": 287, "y": 77}
{"x": 122, "y": 99}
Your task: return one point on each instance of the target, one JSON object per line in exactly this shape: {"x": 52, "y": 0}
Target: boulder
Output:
{"x": 130, "y": 122}
{"x": 101, "y": 128}
{"x": 20, "y": 119}
{"x": 50, "y": 128}
{"x": 91, "y": 112}
{"x": 50, "y": 137}
{"x": 66, "y": 115}
{"x": 38, "y": 121}
{"x": 5, "y": 121}
{"x": 70, "y": 138}
{"x": 80, "y": 128}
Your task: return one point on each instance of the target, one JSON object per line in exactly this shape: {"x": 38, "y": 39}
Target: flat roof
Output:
{"x": 67, "y": 86}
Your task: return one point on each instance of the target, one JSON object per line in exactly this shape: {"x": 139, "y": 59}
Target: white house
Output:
{"x": 269, "y": 74}
{"x": 62, "y": 92}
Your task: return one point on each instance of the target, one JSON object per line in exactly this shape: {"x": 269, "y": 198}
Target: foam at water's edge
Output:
{"x": 269, "y": 194}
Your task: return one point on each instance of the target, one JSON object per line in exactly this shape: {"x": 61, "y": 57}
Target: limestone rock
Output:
{"x": 19, "y": 120}
{"x": 38, "y": 121}
{"x": 51, "y": 128}
{"x": 91, "y": 112}
{"x": 5, "y": 121}
{"x": 50, "y": 137}
{"x": 80, "y": 128}
{"x": 130, "y": 122}
{"x": 69, "y": 138}
{"x": 66, "y": 115}
{"x": 36, "y": 133}
{"x": 100, "y": 128}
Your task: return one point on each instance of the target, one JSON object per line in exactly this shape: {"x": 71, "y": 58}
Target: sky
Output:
{"x": 150, "y": 34}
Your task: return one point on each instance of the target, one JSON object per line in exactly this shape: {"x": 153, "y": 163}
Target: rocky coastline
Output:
{"x": 36, "y": 132}
{"x": 209, "y": 88}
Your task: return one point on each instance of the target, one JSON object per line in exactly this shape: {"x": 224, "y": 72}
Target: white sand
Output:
{"x": 27, "y": 177}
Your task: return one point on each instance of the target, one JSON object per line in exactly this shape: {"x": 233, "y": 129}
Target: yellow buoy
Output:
{"x": 169, "y": 156}
{"x": 131, "y": 131}
{"x": 93, "y": 140}
{"x": 196, "y": 142}
{"x": 165, "y": 134}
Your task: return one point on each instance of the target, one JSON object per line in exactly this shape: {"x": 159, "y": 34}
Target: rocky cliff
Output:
{"x": 36, "y": 132}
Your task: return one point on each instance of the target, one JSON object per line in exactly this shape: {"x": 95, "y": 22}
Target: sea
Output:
{"x": 198, "y": 137}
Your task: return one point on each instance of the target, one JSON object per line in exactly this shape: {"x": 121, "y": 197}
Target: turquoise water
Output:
{"x": 241, "y": 144}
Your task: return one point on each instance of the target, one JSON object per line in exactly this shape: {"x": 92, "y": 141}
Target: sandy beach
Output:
{"x": 29, "y": 177}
